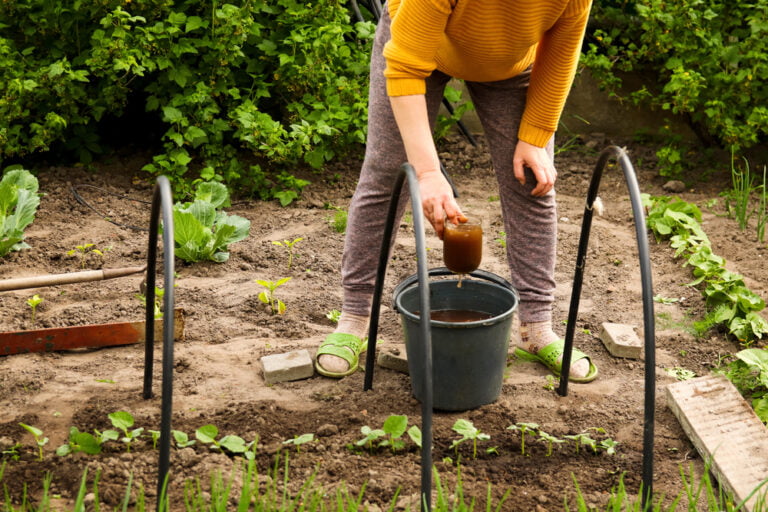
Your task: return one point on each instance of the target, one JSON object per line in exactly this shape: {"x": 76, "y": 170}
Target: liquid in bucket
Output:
{"x": 462, "y": 247}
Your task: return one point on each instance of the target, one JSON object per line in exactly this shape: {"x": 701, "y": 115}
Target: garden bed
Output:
{"x": 218, "y": 377}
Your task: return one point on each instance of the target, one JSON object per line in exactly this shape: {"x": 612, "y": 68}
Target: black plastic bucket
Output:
{"x": 468, "y": 358}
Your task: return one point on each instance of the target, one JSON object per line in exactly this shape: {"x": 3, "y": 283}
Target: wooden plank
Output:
{"x": 726, "y": 431}
{"x": 85, "y": 336}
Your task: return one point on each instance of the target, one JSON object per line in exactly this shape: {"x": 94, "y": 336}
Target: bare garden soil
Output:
{"x": 218, "y": 375}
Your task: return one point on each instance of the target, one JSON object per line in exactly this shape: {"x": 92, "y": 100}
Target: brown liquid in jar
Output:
{"x": 462, "y": 247}
{"x": 458, "y": 315}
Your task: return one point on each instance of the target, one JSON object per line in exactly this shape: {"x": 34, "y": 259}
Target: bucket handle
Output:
{"x": 443, "y": 271}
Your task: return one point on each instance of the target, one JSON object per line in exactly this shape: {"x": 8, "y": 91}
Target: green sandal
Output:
{"x": 550, "y": 356}
{"x": 346, "y": 346}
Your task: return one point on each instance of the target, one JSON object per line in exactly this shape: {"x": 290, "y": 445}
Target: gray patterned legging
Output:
{"x": 530, "y": 222}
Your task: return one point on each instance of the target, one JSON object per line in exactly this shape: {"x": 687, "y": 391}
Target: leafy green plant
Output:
{"x": 154, "y": 435}
{"x": 468, "y": 432}
{"x": 680, "y": 373}
{"x": 80, "y": 442}
{"x": 394, "y": 427}
{"x": 123, "y": 421}
{"x": 333, "y": 315}
{"x": 502, "y": 239}
{"x": 739, "y": 198}
{"x": 728, "y": 299}
{"x": 201, "y": 230}
{"x": 369, "y": 436}
{"x": 207, "y": 434}
{"x": 524, "y": 428}
{"x": 297, "y": 441}
{"x": 288, "y": 244}
{"x": 84, "y": 249}
{"x": 40, "y": 439}
{"x": 338, "y": 221}
{"x": 276, "y": 306}
{"x": 749, "y": 374}
{"x": 448, "y": 120}
{"x": 157, "y": 307}
{"x": 182, "y": 439}
{"x": 550, "y": 440}
{"x": 33, "y": 302}
{"x": 18, "y": 205}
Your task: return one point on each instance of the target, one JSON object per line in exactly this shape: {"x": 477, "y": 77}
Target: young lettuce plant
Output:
{"x": 18, "y": 204}
{"x": 201, "y": 231}
{"x": 40, "y": 439}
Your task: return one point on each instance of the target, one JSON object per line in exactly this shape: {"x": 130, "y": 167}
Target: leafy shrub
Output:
{"x": 703, "y": 59}
{"x": 284, "y": 81}
{"x": 18, "y": 205}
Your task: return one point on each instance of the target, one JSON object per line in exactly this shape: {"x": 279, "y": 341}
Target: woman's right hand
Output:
{"x": 437, "y": 201}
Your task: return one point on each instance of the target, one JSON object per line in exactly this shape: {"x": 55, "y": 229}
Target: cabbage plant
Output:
{"x": 18, "y": 204}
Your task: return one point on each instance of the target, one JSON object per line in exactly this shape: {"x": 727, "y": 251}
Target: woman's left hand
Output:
{"x": 538, "y": 160}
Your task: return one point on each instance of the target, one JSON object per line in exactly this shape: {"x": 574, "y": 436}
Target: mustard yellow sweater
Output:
{"x": 490, "y": 40}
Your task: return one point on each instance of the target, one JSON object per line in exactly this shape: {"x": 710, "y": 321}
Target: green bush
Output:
{"x": 284, "y": 81}
{"x": 704, "y": 59}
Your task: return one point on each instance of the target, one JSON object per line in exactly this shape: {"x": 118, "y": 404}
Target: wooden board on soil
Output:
{"x": 725, "y": 430}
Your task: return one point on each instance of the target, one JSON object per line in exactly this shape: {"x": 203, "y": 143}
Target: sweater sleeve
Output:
{"x": 418, "y": 27}
{"x": 554, "y": 69}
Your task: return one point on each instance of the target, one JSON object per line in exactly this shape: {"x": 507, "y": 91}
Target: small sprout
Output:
{"x": 181, "y": 439}
{"x": 333, "y": 315}
{"x": 502, "y": 239}
{"x": 609, "y": 445}
{"x": 84, "y": 249}
{"x": 395, "y": 426}
{"x": 493, "y": 450}
{"x": 33, "y": 302}
{"x": 159, "y": 293}
{"x": 289, "y": 247}
{"x": 680, "y": 373}
{"x": 551, "y": 382}
{"x": 207, "y": 434}
{"x": 523, "y": 428}
{"x": 370, "y": 436}
{"x": 414, "y": 433}
{"x": 276, "y": 306}
{"x": 468, "y": 431}
{"x": 124, "y": 421}
{"x": 665, "y": 300}
{"x": 155, "y": 435}
{"x": 550, "y": 440}
{"x": 297, "y": 441}
{"x": 40, "y": 440}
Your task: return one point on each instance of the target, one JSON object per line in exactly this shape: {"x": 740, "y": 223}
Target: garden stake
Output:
{"x": 648, "y": 320}
{"x": 161, "y": 199}
{"x": 421, "y": 264}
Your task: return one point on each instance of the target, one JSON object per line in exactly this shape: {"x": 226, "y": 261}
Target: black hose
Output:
{"x": 424, "y": 307}
{"x": 648, "y": 310}
{"x": 161, "y": 198}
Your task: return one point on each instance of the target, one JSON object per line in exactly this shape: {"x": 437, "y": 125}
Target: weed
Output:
{"x": 680, "y": 373}
{"x": 40, "y": 439}
{"x": 33, "y": 302}
{"x": 339, "y": 220}
{"x": 276, "y": 306}
{"x": 502, "y": 239}
{"x": 289, "y": 248}
{"x": 551, "y": 383}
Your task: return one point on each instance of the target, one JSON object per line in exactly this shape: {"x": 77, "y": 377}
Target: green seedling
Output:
{"x": 159, "y": 293}
{"x": 394, "y": 427}
{"x": 502, "y": 239}
{"x": 33, "y": 302}
{"x": 13, "y": 451}
{"x": 468, "y": 431}
{"x": 550, "y": 440}
{"x": 84, "y": 249}
{"x": 80, "y": 442}
{"x": 680, "y": 373}
{"x": 414, "y": 433}
{"x": 609, "y": 445}
{"x": 155, "y": 436}
{"x": 333, "y": 315}
{"x": 665, "y": 300}
{"x": 297, "y": 441}
{"x": 276, "y": 306}
{"x": 370, "y": 435}
{"x": 181, "y": 439}
{"x": 124, "y": 421}
{"x": 289, "y": 247}
{"x": 523, "y": 428}
{"x": 40, "y": 439}
{"x": 207, "y": 434}
{"x": 582, "y": 439}
{"x": 339, "y": 220}
{"x": 551, "y": 383}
